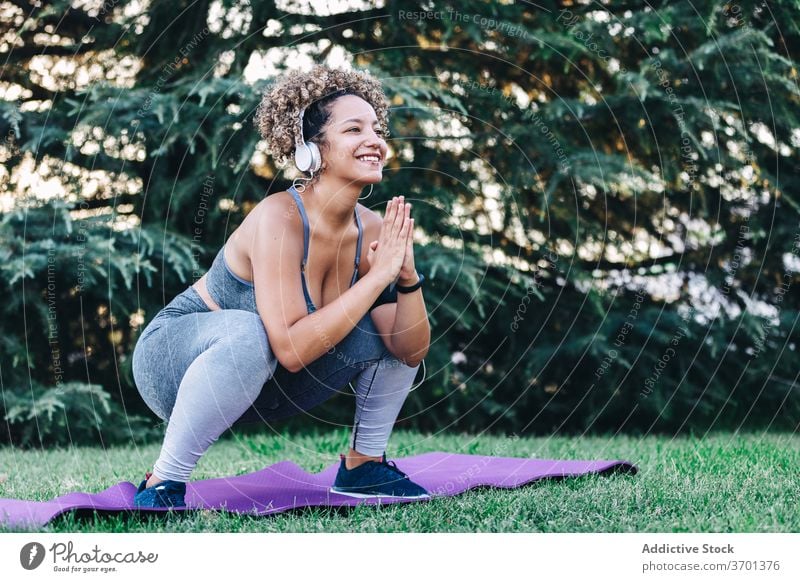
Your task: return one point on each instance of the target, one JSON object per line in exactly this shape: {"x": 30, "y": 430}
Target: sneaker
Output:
{"x": 374, "y": 479}
{"x": 165, "y": 494}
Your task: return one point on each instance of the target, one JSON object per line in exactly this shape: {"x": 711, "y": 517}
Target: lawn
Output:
{"x": 718, "y": 483}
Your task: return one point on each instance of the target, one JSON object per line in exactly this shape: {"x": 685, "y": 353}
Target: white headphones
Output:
{"x": 306, "y": 155}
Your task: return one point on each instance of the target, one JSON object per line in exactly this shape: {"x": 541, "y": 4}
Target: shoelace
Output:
{"x": 391, "y": 465}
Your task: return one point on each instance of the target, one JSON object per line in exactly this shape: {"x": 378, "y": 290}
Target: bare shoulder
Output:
{"x": 278, "y": 208}
{"x": 276, "y": 214}
{"x": 271, "y": 219}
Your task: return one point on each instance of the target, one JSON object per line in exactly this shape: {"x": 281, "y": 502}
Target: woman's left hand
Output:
{"x": 408, "y": 273}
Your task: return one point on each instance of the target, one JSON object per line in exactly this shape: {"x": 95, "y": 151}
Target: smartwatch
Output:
{"x": 410, "y": 288}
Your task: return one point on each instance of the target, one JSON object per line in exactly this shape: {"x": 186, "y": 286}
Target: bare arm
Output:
{"x": 411, "y": 332}
{"x": 403, "y": 325}
{"x": 316, "y": 333}
{"x": 296, "y": 337}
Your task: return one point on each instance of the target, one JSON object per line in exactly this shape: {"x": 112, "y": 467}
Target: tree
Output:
{"x": 563, "y": 158}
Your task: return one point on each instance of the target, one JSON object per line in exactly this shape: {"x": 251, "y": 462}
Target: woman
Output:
{"x": 294, "y": 306}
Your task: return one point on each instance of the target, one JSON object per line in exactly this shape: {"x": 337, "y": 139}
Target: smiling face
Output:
{"x": 354, "y": 148}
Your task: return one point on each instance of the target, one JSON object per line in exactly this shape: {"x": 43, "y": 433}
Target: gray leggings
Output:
{"x": 205, "y": 371}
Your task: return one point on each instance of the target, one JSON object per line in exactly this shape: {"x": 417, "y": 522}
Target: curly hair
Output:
{"x": 278, "y": 114}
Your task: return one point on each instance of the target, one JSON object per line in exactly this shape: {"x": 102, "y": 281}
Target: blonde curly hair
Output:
{"x": 278, "y": 114}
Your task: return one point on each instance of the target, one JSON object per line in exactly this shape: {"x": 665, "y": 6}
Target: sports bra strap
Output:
{"x": 303, "y": 215}
{"x": 306, "y": 234}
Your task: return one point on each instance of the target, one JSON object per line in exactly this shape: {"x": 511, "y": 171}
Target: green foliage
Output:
{"x": 549, "y": 163}
{"x": 70, "y": 288}
{"x": 72, "y": 412}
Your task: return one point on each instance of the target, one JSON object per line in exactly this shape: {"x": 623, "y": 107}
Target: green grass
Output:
{"x": 719, "y": 483}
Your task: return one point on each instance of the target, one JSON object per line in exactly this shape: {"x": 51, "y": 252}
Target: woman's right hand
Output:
{"x": 385, "y": 256}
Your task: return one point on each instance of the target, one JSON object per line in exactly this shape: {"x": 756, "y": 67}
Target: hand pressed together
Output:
{"x": 392, "y": 255}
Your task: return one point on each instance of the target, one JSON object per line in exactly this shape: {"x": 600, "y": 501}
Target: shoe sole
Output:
{"x": 181, "y": 507}
{"x": 374, "y": 495}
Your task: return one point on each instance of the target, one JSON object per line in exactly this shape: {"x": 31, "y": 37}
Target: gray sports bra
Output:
{"x": 230, "y": 291}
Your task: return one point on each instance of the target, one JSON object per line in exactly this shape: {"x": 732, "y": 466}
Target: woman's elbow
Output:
{"x": 289, "y": 360}
{"x": 416, "y": 359}
{"x": 293, "y": 366}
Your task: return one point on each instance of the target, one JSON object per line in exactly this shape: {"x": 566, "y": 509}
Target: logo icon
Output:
{"x": 31, "y": 555}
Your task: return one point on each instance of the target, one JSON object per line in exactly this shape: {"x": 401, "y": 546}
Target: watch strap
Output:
{"x": 410, "y": 288}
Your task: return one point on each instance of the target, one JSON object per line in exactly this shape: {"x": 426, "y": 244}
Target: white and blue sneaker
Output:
{"x": 376, "y": 479}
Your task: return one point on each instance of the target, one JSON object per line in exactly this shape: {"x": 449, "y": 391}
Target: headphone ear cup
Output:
{"x": 302, "y": 157}
{"x": 316, "y": 157}
{"x": 307, "y": 157}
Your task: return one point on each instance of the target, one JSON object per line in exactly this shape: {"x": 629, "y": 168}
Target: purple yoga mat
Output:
{"x": 285, "y": 486}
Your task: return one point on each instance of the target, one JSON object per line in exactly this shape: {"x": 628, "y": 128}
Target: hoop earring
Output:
{"x": 368, "y": 195}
